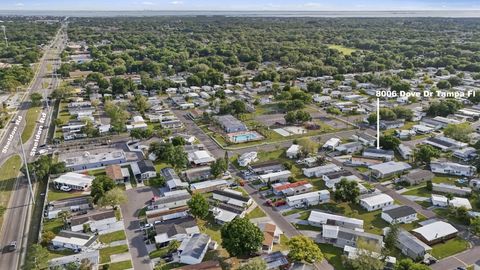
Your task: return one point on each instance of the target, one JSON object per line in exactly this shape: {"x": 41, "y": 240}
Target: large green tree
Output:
{"x": 240, "y": 237}
{"x": 198, "y": 206}
{"x": 346, "y": 191}
{"x": 303, "y": 249}
{"x": 100, "y": 186}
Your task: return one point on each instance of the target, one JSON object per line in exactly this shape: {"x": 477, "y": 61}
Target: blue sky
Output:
{"x": 307, "y": 5}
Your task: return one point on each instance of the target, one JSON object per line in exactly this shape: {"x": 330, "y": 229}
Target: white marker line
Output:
{"x": 378, "y": 123}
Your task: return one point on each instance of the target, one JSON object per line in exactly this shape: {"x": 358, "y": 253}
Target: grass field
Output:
{"x": 112, "y": 237}
{"x": 55, "y": 195}
{"x": 256, "y": 213}
{"x": 344, "y": 50}
{"x": 106, "y": 252}
{"x": 333, "y": 255}
{"x": 421, "y": 191}
{"x": 52, "y": 254}
{"x": 10, "y": 170}
{"x": 450, "y": 247}
{"x": 121, "y": 265}
{"x": 54, "y": 225}
{"x": 30, "y": 119}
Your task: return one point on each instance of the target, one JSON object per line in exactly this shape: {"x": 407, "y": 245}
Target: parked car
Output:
{"x": 12, "y": 246}
{"x": 65, "y": 188}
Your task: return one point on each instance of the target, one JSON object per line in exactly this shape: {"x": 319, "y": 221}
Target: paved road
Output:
{"x": 137, "y": 199}
{"x": 16, "y": 218}
{"x": 463, "y": 259}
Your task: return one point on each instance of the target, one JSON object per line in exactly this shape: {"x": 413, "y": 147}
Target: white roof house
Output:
{"x": 275, "y": 176}
{"x": 200, "y": 157}
{"x": 435, "y": 231}
{"x": 307, "y": 199}
{"x": 206, "y": 186}
{"x": 460, "y": 202}
{"x": 321, "y": 170}
{"x": 75, "y": 181}
{"x": 390, "y": 168}
{"x": 293, "y": 151}
{"x": 193, "y": 249}
{"x": 247, "y": 158}
{"x": 447, "y": 188}
{"x": 376, "y": 202}
{"x": 331, "y": 143}
{"x": 318, "y": 219}
{"x": 452, "y": 168}
{"x": 439, "y": 200}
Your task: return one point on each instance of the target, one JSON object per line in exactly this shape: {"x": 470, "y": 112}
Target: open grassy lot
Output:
{"x": 344, "y": 50}
{"x": 448, "y": 179}
{"x": 420, "y": 191}
{"x": 54, "y": 225}
{"x": 283, "y": 244}
{"x": 112, "y": 237}
{"x": 450, "y": 247}
{"x": 121, "y": 265}
{"x": 158, "y": 253}
{"x": 373, "y": 223}
{"x": 10, "y": 170}
{"x": 30, "y": 119}
{"x": 333, "y": 255}
{"x": 52, "y": 254}
{"x": 256, "y": 213}
{"x": 54, "y": 195}
{"x": 106, "y": 252}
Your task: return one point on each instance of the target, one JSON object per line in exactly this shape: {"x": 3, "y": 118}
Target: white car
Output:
{"x": 65, "y": 188}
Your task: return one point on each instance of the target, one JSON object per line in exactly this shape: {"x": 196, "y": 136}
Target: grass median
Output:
{"x": 30, "y": 120}
{"x": 10, "y": 170}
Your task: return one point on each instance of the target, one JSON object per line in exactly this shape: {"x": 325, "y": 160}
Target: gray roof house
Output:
{"x": 411, "y": 246}
{"x": 193, "y": 249}
{"x": 341, "y": 237}
{"x": 417, "y": 176}
{"x": 230, "y": 124}
{"x": 386, "y": 155}
{"x": 388, "y": 169}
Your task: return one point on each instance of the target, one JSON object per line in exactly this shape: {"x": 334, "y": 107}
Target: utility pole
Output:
{"x": 5, "y": 35}
{"x": 378, "y": 123}
{"x": 26, "y": 167}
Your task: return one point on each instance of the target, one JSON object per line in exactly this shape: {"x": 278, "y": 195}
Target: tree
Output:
{"x": 460, "y": 132}
{"x": 47, "y": 238}
{"x": 303, "y": 249}
{"x": 346, "y": 191}
{"x": 141, "y": 103}
{"x": 113, "y": 197}
{"x": 429, "y": 185}
{"x": 173, "y": 246}
{"x": 390, "y": 238}
{"x": 38, "y": 258}
{"x": 443, "y": 107}
{"x": 178, "y": 141}
{"x": 444, "y": 84}
{"x": 425, "y": 153}
{"x": 290, "y": 117}
{"x": 256, "y": 263}
{"x": 199, "y": 206}
{"x": 475, "y": 225}
{"x": 218, "y": 167}
{"x": 389, "y": 142}
{"x": 408, "y": 264}
{"x": 89, "y": 129}
{"x": 366, "y": 257}
{"x": 36, "y": 99}
{"x": 240, "y": 237}
{"x": 100, "y": 185}
{"x": 308, "y": 146}
{"x": 118, "y": 116}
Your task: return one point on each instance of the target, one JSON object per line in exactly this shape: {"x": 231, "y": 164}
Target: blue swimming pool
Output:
{"x": 245, "y": 137}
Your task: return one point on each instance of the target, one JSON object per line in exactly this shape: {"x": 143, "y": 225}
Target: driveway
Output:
{"x": 137, "y": 199}
{"x": 463, "y": 259}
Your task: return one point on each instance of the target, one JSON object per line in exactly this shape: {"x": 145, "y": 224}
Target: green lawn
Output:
{"x": 210, "y": 228}
{"x": 55, "y": 195}
{"x": 421, "y": 191}
{"x": 158, "y": 253}
{"x": 52, "y": 254}
{"x": 450, "y": 247}
{"x": 30, "y": 118}
{"x": 272, "y": 155}
{"x": 256, "y": 213}
{"x": 291, "y": 212}
{"x": 121, "y": 265}
{"x": 283, "y": 244}
{"x": 10, "y": 170}
{"x": 159, "y": 166}
{"x": 333, "y": 255}
{"x": 106, "y": 252}
{"x": 344, "y": 50}
{"x": 54, "y": 225}
{"x": 112, "y": 237}
{"x": 445, "y": 179}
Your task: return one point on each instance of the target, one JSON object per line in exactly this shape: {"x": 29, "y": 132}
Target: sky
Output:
{"x": 243, "y": 5}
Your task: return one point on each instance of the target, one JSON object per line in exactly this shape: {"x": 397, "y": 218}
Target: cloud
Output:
{"x": 176, "y": 2}
{"x": 148, "y": 3}
{"x": 19, "y": 4}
